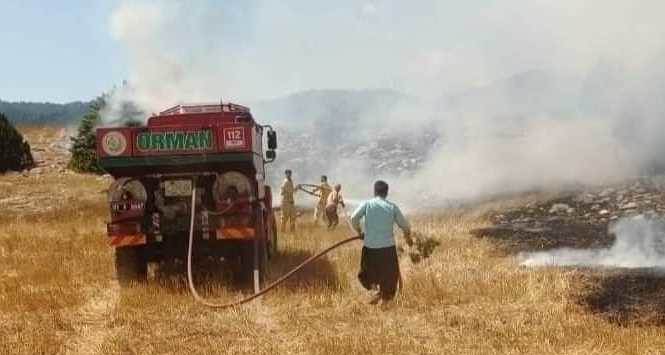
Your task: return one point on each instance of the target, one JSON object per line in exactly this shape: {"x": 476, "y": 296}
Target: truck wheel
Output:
{"x": 130, "y": 264}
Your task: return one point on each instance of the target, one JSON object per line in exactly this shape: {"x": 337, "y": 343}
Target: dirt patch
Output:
{"x": 49, "y": 186}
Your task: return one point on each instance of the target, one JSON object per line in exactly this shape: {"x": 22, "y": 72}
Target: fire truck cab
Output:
{"x": 216, "y": 148}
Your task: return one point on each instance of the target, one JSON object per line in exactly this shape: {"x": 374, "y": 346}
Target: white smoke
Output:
{"x": 543, "y": 153}
{"x": 172, "y": 49}
{"x": 594, "y": 116}
{"x": 640, "y": 243}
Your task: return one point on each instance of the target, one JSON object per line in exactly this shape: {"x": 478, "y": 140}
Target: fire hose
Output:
{"x": 309, "y": 189}
{"x": 201, "y": 300}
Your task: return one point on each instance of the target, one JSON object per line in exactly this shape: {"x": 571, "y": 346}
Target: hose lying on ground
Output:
{"x": 201, "y": 300}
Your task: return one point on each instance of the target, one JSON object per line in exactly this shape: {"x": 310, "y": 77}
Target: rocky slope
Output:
{"x": 380, "y": 155}
{"x": 576, "y": 219}
{"x": 49, "y": 184}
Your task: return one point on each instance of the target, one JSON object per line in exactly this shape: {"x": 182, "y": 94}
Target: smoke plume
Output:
{"x": 524, "y": 95}
{"x": 640, "y": 243}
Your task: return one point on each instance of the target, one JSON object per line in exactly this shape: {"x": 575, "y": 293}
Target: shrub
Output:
{"x": 84, "y": 152}
{"x": 14, "y": 151}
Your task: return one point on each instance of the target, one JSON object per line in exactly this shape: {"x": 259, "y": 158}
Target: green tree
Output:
{"x": 84, "y": 152}
{"x": 14, "y": 151}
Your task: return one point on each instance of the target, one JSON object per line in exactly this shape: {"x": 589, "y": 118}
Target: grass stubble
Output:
{"x": 467, "y": 298}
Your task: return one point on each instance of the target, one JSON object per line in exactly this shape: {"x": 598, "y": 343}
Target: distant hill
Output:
{"x": 347, "y": 132}
{"x": 329, "y": 112}
{"x": 43, "y": 112}
{"x": 524, "y": 95}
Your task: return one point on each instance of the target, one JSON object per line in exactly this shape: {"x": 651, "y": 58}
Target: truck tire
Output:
{"x": 130, "y": 265}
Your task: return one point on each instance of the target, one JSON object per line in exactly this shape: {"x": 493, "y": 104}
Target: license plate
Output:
{"x": 177, "y": 188}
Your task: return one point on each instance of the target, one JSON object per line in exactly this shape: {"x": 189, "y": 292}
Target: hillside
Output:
{"x": 472, "y": 296}
{"x": 351, "y": 135}
{"x": 27, "y": 113}
{"x": 329, "y": 111}
{"x": 336, "y": 132}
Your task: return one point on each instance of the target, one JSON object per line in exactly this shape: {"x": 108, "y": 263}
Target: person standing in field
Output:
{"x": 323, "y": 190}
{"x": 334, "y": 199}
{"x": 378, "y": 263}
{"x": 288, "y": 203}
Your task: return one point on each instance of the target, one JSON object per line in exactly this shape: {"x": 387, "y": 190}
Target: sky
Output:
{"x": 67, "y": 50}
{"x": 57, "y": 51}
{"x": 252, "y": 49}
{"x": 602, "y": 55}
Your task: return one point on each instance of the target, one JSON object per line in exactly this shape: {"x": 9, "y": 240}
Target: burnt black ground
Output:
{"x": 581, "y": 220}
{"x": 625, "y": 297}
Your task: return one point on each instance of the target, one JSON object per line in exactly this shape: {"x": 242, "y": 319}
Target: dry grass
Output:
{"x": 49, "y": 261}
{"x": 465, "y": 299}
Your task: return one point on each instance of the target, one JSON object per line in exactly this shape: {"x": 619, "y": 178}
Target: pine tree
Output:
{"x": 84, "y": 153}
{"x": 14, "y": 151}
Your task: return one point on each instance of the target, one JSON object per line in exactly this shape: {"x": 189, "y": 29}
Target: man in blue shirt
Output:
{"x": 378, "y": 264}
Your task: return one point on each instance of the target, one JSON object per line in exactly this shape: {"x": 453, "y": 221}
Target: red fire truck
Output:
{"x": 213, "y": 149}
